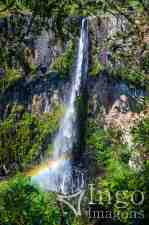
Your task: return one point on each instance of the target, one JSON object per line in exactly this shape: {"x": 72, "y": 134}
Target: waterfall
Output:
{"x": 59, "y": 175}
{"x": 66, "y": 136}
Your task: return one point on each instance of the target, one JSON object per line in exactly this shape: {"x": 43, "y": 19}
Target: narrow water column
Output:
{"x": 66, "y": 136}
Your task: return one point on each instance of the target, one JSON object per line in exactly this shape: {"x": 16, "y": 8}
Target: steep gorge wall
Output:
{"x": 40, "y": 91}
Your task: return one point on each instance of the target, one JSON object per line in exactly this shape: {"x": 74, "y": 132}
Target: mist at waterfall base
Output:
{"x": 58, "y": 174}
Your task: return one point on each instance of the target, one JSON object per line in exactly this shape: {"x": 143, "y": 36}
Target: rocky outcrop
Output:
{"x": 31, "y": 43}
{"x": 37, "y": 96}
{"x": 115, "y": 104}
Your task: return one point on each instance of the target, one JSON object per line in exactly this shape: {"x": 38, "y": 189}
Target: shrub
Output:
{"x": 141, "y": 134}
{"x": 11, "y": 77}
{"x": 133, "y": 76}
{"x": 63, "y": 63}
{"x": 96, "y": 67}
{"x": 21, "y": 203}
{"x": 24, "y": 137}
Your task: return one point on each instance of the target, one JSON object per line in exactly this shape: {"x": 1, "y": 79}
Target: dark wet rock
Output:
{"x": 2, "y": 73}
{"x": 43, "y": 68}
{"x": 36, "y": 95}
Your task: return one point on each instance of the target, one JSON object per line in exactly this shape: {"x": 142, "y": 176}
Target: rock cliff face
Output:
{"x": 117, "y": 106}
{"x": 111, "y": 102}
{"x": 37, "y": 96}
{"x": 42, "y": 48}
{"x": 33, "y": 50}
{"x": 116, "y": 103}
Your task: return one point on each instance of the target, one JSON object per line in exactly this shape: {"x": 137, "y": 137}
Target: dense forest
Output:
{"x": 95, "y": 52}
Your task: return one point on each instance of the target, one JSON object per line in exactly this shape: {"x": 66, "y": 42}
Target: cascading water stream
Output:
{"x": 67, "y": 133}
{"x": 58, "y": 175}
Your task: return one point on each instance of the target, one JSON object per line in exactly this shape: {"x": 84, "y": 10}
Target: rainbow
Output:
{"x": 45, "y": 166}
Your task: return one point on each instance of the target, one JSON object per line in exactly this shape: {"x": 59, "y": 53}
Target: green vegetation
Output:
{"x": 145, "y": 63}
{"x": 63, "y": 63}
{"x": 141, "y": 134}
{"x": 132, "y": 76}
{"x": 26, "y": 136}
{"x": 119, "y": 177}
{"x": 23, "y": 137}
{"x": 114, "y": 157}
{"x": 21, "y": 203}
{"x": 96, "y": 67}
{"x": 72, "y": 6}
{"x": 9, "y": 79}
{"x": 98, "y": 141}
{"x": 25, "y": 204}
